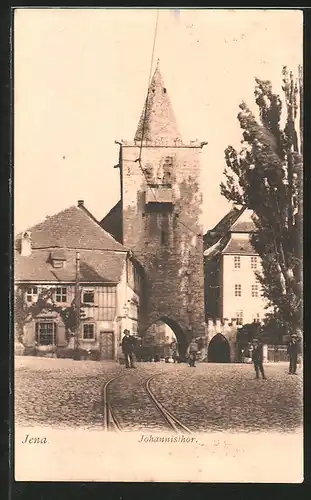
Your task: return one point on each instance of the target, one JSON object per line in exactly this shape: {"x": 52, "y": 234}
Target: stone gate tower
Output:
{"x": 161, "y": 203}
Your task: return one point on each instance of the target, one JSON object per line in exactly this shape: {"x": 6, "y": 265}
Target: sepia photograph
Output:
{"x": 158, "y": 214}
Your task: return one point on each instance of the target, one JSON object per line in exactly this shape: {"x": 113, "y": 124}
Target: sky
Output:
{"x": 81, "y": 78}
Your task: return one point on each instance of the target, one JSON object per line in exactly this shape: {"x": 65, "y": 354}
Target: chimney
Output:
{"x": 26, "y": 243}
{"x": 80, "y": 203}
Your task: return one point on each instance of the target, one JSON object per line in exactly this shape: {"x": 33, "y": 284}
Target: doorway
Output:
{"x": 106, "y": 345}
{"x": 218, "y": 350}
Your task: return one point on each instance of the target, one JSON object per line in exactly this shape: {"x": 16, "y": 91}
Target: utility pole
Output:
{"x": 77, "y": 302}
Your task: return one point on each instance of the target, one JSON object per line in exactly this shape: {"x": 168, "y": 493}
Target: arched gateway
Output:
{"x": 179, "y": 334}
{"x": 218, "y": 349}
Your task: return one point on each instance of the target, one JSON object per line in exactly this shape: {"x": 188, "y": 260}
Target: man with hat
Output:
{"x": 192, "y": 352}
{"x": 257, "y": 356}
{"x": 292, "y": 351}
{"x": 128, "y": 348}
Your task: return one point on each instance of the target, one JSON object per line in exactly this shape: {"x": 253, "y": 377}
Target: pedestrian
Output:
{"x": 174, "y": 354}
{"x": 292, "y": 351}
{"x": 128, "y": 348}
{"x": 192, "y": 353}
{"x": 257, "y": 356}
{"x": 166, "y": 351}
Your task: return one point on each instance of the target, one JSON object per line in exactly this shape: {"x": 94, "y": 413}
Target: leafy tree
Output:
{"x": 25, "y": 313}
{"x": 266, "y": 176}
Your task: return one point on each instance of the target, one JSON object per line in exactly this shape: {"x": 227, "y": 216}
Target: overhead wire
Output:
{"x": 143, "y": 130}
{"x": 146, "y": 106}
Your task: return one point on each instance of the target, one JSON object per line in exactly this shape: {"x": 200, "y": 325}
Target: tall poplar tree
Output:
{"x": 266, "y": 176}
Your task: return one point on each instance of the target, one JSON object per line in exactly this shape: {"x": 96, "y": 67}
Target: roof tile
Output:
{"x": 239, "y": 247}
{"x": 95, "y": 266}
{"x": 71, "y": 228}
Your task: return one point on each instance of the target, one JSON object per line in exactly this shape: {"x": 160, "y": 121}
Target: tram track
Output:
{"x": 110, "y": 420}
{"x": 173, "y": 422}
{"x": 112, "y": 423}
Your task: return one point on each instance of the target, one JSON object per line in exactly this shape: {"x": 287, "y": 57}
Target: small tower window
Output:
{"x": 164, "y": 229}
{"x": 164, "y": 90}
{"x": 164, "y": 238}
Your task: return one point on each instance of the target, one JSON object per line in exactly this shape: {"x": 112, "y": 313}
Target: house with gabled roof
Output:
{"x": 232, "y": 291}
{"x": 109, "y": 277}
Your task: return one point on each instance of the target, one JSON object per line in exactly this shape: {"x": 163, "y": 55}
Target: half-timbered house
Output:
{"x": 109, "y": 282}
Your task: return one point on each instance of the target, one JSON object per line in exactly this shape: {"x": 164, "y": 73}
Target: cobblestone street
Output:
{"x": 212, "y": 397}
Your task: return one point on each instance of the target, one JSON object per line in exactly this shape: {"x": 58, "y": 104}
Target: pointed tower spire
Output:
{"x": 157, "y": 121}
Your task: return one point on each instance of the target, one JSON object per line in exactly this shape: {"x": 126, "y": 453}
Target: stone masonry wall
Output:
{"x": 170, "y": 253}
{"x": 228, "y": 330}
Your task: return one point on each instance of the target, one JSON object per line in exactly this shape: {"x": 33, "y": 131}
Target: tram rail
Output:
{"x": 172, "y": 421}
{"x": 112, "y": 423}
{"x": 110, "y": 420}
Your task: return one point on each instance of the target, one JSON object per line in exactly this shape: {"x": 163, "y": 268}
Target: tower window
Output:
{"x": 164, "y": 90}
{"x": 164, "y": 229}
{"x": 164, "y": 238}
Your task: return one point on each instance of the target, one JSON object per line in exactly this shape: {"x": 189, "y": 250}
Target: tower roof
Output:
{"x": 157, "y": 122}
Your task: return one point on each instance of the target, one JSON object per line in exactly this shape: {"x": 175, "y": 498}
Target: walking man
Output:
{"x": 257, "y": 356}
{"x": 192, "y": 352}
{"x": 128, "y": 347}
{"x": 292, "y": 351}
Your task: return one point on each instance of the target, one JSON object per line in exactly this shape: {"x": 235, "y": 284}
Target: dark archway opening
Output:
{"x": 218, "y": 350}
{"x": 159, "y": 339}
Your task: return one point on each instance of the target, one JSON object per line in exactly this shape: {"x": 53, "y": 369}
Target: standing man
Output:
{"x": 257, "y": 356}
{"x": 128, "y": 348}
{"x": 292, "y": 351}
{"x": 192, "y": 353}
{"x": 173, "y": 349}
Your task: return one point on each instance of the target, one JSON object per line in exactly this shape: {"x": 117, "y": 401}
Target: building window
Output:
{"x": 256, "y": 318}
{"x": 133, "y": 311}
{"x": 239, "y": 317}
{"x": 61, "y": 294}
{"x": 254, "y": 290}
{"x": 32, "y": 294}
{"x": 134, "y": 328}
{"x": 88, "y": 296}
{"x": 238, "y": 290}
{"x": 89, "y": 331}
{"x": 133, "y": 276}
{"x": 109, "y": 303}
{"x": 237, "y": 262}
{"x": 254, "y": 262}
{"x": 46, "y": 333}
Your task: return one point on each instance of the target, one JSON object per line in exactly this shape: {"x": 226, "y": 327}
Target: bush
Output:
{"x": 80, "y": 354}
{"x": 30, "y": 351}
{"x": 94, "y": 355}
